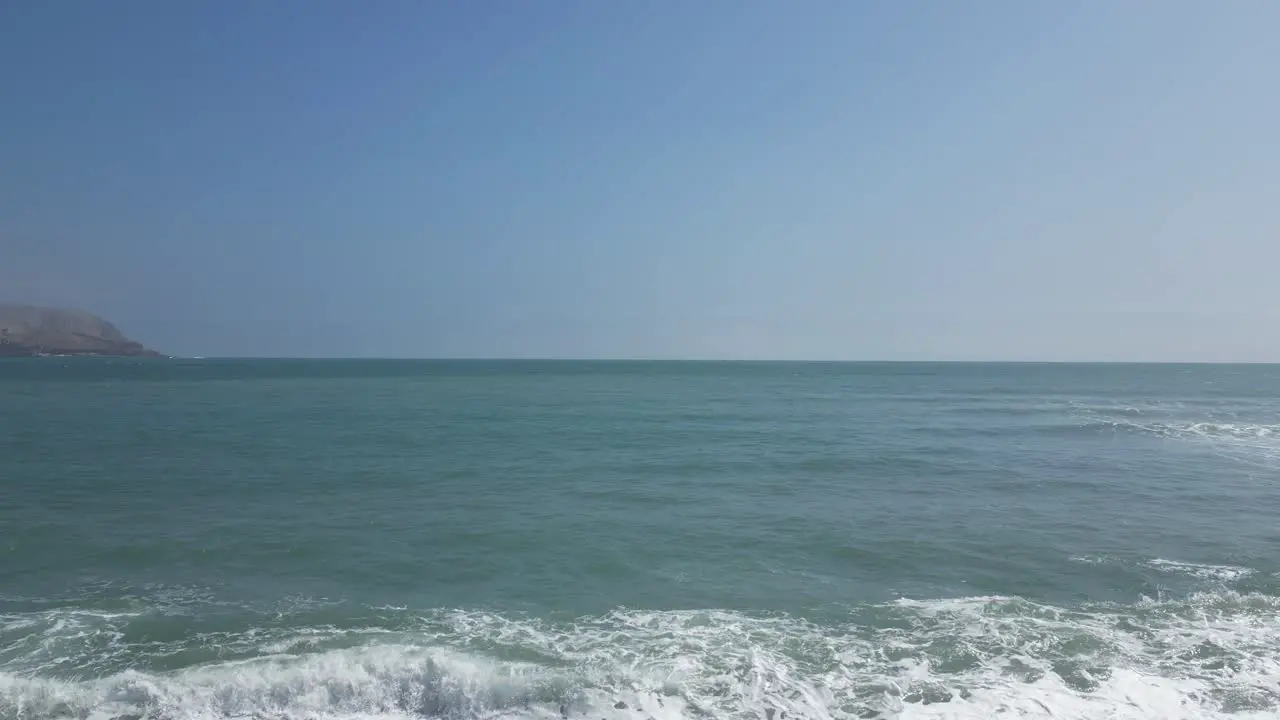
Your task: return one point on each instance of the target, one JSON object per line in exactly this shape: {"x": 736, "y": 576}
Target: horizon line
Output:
{"x": 708, "y": 360}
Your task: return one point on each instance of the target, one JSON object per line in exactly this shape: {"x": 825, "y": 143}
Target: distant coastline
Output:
{"x": 24, "y": 352}
{"x": 30, "y": 331}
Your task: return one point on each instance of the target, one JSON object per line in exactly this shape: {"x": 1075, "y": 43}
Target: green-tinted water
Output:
{"x": 501, "y": 539}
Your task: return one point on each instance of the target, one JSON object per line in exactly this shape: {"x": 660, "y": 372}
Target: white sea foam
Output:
{"x": 1092, "y": 559}
{"x": 1222, "y": 574}
{"x": 1251, "y": 441}
{"x": 388, "y": 681}
{"x": 1218, "y": 573}
{"x": 1214, "y": 655}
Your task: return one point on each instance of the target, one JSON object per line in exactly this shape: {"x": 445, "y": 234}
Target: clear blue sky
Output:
{"x": 716, "y": 179}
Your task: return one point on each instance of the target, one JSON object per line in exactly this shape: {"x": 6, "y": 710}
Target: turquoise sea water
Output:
{"x": 385, "y": 539}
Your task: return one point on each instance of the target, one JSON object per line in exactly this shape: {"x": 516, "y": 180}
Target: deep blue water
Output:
{"x": 335, "y": 539}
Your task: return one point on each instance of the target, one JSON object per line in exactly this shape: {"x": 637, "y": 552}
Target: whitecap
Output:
{"x": 1207, "y": 656}
{"x": 1220, "y": 573}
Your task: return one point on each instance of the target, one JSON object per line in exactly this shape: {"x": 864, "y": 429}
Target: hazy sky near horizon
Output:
{"x": 1004, "y": 179}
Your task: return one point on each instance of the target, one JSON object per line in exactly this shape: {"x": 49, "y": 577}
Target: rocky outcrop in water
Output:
{"x": 32, "y": 331}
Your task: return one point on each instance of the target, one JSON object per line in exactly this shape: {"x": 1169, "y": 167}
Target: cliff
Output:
{"x": 27, "y": 330}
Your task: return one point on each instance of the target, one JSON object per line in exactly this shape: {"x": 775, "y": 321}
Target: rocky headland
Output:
{"x": 28, "y": 331}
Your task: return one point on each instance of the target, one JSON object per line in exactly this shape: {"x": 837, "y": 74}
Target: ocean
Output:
{"x": 297, "y": 540}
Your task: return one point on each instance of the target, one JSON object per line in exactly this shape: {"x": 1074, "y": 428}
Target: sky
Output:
{"x": 722, "y": 179}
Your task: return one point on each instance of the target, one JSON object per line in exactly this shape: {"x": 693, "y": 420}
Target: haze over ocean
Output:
{"x": 726, "y": 180}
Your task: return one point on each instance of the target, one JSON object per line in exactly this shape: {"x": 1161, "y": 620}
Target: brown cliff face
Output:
{"x": 27, "y": 330}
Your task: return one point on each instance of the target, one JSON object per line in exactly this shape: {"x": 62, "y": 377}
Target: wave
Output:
{"x": 1252, "y": 436}
{"x": 1220, "y": 575}
{"x": 1249, "y": 439}
{"x": 373, "y": 682}
{"x": 1220, "y": 431}
{"x": 1210, "y": 655}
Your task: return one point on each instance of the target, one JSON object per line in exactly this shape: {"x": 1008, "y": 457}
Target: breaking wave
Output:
{"x": 1209, "y": 655}
{"x": 1219, "y": 575}
{"x": 1254, "y": 439}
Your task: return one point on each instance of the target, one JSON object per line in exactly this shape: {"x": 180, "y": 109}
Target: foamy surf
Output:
{"x": 386, "y": 681}
{"x": 1224, "y": 575}
{"x": 1218, "y": 573}
{"x": 1255, "y": 441}
{"x": 1212, "y": 655}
